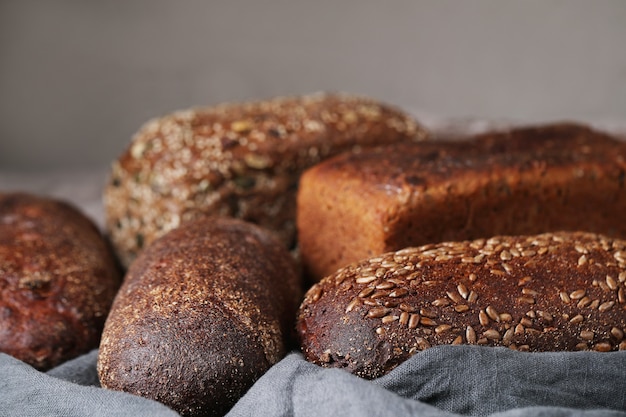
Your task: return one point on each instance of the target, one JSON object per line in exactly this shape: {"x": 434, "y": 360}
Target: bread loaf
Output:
{"x": 241, "y": 160}
{"x": 561, "y": 291}
{"x": 202, "y": 314}
{"x": 523, "y": 181}
{"x": 58, "y": 278}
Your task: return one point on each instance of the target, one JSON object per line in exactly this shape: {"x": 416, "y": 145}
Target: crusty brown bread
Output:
{"x": 522, "y": 181}
{"x": 551, "y": 292}
{"x": 203, "y": 312}
{"x": 241, "y": 160}
{"x": 58, "y": 278}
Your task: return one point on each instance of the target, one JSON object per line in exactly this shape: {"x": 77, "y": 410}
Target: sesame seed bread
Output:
{"x": 58, "y": 278}
{"x": 238, "y": 159}
{"x": 562, "y": 291}
{"x": 521, "y": 181}
{"x": 203, "y": 312}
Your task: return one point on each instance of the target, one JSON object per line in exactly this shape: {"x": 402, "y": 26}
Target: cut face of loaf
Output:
{"x": 549, "y": 292}
{"x": 201, "y": 315}
{"x": 523, "y": 181}
{"x": 239, "y": 160}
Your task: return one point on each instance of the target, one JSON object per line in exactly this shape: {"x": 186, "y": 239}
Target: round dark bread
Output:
{"x": 561, "y": 291}
{"x": 203, "y": 312}
{"x": 241, "y": 160}
{"x": 58, "y": 278}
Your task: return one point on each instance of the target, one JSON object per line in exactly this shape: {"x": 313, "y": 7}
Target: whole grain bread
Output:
{"x": 58, "y": 278}
{"x": 563, "y": 291}
{"x": 238, "y": 159}
{"x": 203, "y": 312}
{"x": 521, "y": 181}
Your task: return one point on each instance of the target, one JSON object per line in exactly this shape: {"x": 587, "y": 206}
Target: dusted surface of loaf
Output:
{"x": 202, "y": 314}
{"x": 549, "y": 292}
{"x": 522, "y": 181}
{"x": 57, "y": 280}
{"x": 241, "y": 160}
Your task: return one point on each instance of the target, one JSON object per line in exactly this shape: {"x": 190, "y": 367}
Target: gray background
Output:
{"x": 77, "y": 78}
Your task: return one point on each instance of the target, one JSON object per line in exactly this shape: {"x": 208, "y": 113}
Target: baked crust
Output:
{"x": 202, "y": 314}
{"x": 562, "y": 291}
{"x": 522, "y": 181}
{"x": 240, "y": 159}
{"x": 58, "y": 278}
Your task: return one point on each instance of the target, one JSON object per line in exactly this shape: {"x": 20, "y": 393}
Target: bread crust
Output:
{"x": 238, "y": 159}
{"x": 58, "y": 278}
{"x": 563, "y": 291}
{"x": 521, "y": 181}
{"x": 202, "y": 314}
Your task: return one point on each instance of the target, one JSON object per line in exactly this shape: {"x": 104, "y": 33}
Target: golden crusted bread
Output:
{"x": 203, "y": 312}
{"x": 241, "y": 160}
{"x": 522, "y": 181}
{"x": 58, "y": 278}
{"x": 550, "y": 292}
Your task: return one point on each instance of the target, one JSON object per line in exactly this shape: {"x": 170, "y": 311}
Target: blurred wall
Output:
{"x": 77, "y": 78}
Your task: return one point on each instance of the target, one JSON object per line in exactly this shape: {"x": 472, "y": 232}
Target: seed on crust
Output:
{"x": 492, "y": 334}
{"x": 366, "y": 292}
{"x": 404, "y": 318}
{"x": 462, "y": 289}
{"x": 454, "y": 296}
{"x": 606, "y": 306}
{"x": 483, "y": 318}
{"x": 414, "y": 320}
{"x": 586, "y": 335}
{"x": 461, "y": 308}
{"x": 508, "y": 336}
{"x": 470, "y": 335}
{"x": 377, "y": 312}
{"x": 398, "y": 292}
{"x": 458, "y": 340}
{"x": 492, "y": 313}
{"x": 577, "y": 319}
{"x": 442, "y": 328}
{"x": 577, "y": 295}
{"x": 564, "y": 297}
{"x": 603, "y": 347}
{"x": 441, "y": 302}
{"x": 365, "y": 280}
{"x": 389, "y": 319}
{"x": 355, "y": 302}
{"x": 618, "y": 334}
{"x": 426, "y": 321}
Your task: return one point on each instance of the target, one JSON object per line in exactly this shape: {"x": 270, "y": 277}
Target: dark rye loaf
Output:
{"x": 58, "y": 278}
{"x": 240, "y": 160}
{"x": 203, "y": 312}
{"x": 521, "y": 181}
{"x": 550, "y": 292}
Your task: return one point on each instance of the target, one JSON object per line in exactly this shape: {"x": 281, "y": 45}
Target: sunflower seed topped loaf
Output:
{"x": 238, "y": 159}
{"x": 522, "y": 181}
{"x": 562, "y": 291}
{"x": 58, "y": 278}
{"x": 203, "y": 312}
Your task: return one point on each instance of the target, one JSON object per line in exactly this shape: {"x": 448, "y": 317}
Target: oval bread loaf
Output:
{"x": 550, "y": 292}
{"x": 241, "y": 160}
{"x": 58, "y": 278}
{"x": 202, "y": 314}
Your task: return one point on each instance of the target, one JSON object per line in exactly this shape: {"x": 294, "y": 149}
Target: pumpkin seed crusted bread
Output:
{"x": 521, "y": 181}
{"x": 562, "y": 291}
{"x": 238, "y": 159}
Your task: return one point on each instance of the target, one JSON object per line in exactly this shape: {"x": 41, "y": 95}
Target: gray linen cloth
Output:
{"x": 443, "y": 381}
